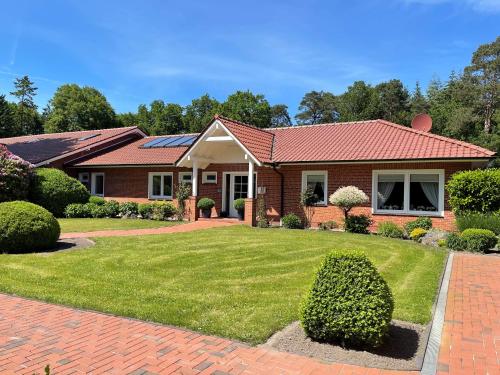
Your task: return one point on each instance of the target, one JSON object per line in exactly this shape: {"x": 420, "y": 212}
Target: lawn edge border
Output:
{"x": 429, "y": 364}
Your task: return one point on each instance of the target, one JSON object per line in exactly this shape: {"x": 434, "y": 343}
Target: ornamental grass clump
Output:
{"x": 349, "y": 302}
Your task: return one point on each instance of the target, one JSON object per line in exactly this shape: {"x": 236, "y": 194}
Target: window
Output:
{"x": 417, "y": 192}
{"x": 317, "y": 181}
{"x": 186, "y": 178}
{"x": 160, "y": 185}
{"x": 97, "y": 184}
{"x": 84, "y": 178}
{"x": 209, "y": 178}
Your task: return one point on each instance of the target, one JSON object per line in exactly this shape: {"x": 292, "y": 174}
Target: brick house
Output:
{"x": 402, "y": 170}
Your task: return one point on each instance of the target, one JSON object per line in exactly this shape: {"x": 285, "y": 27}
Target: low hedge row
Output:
{"x": 99, "y": 208}
{"x": 472, "y": 239}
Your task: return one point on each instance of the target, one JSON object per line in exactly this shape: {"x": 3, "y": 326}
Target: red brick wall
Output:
{"x": 132, "y": 184}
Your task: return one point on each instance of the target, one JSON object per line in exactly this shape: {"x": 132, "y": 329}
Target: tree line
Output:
{"x": 465, "y": 106}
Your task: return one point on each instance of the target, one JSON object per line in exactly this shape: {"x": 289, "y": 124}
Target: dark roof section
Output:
{"x": 42, "y": 148}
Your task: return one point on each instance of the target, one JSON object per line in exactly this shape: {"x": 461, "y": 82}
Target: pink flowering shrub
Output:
{"x": 15, "y": 176}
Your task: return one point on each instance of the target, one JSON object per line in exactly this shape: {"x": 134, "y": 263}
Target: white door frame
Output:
{"x": 231, "y": 189}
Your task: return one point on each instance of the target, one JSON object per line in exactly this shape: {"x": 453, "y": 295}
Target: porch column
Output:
{"x": 250, "y": 193}
{"x": 195, "y": 178}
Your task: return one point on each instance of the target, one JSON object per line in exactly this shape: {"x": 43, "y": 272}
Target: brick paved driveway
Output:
{"x": 33, "y": 334}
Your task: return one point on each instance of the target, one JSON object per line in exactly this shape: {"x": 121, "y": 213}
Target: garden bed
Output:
{"x": 403, "y": 349}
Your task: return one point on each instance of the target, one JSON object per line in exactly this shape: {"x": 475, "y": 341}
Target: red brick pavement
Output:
{"x": 470, "y": 342}
{"x": 33, "y": 334}
{"x": 188, "y": 227}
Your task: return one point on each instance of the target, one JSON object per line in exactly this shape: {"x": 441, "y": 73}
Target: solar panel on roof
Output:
{"x": 152, "y": 143}
{"x": 180, "y": 140}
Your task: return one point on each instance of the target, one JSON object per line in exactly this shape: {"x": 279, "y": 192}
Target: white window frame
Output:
{"x": 304, "y": 184}
{"x": 204, "y": 176}
{"x": 182, "y": 174}
{"x": 150, "y": 185}
{"x": 92, "y": 183}
{"x": 406, "y": 201}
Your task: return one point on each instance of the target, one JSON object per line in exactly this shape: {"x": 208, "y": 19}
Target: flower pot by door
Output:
{"x": 206, "y": 213}
{"x": 241, "y": 214}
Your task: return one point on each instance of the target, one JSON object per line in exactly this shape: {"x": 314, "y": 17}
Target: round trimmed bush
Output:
{"x": 54, "y": 190}
{"x": 292, "y": 221}
{"x": 205, "y": 204}
{"x": 77, "y": 210}
{"x": 390, "y": 229}
{"x": 357, "y": 224}
{"x": 455, "y": 242}
{"x": 417, "y": 233}
{"x": 349, "y": 302}
{"x": 239, "y": 204}
{"x": 97, "y": 200}
{"x": 479, "y": 240}
{"x": 26, "y": 227}
{"x": 112, "y": 207}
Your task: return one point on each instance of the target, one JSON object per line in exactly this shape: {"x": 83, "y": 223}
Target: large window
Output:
{"x": 160, "y": 185}
{"x": 419, "y": 192}
{"x": 317, "y": 181}
{"x": 97, "y": 184}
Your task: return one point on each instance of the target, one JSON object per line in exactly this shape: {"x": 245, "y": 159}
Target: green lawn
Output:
{"x": 91, "y": 225}
{"x": 238, "y": 282}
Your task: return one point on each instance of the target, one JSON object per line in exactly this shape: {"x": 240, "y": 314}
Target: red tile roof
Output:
{"x": 258, "y": 141}
{"x": 134, "y": 154}
{"x": 366, "y": 140}
{"x": 39, "y": 148}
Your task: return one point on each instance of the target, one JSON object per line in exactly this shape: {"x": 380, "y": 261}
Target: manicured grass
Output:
{"x": 238, "y": 282}
{"x": 91, "y": 225}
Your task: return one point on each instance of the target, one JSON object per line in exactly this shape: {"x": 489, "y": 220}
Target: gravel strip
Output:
{"x": 403, "y": 349}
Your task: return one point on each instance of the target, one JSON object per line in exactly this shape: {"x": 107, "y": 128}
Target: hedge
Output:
{"x": 15, "y": 176}
{"x": 26, "y": 227}
{"x": 54, "y": 190}
{"x": 475, "y": 191}
{"x": 479, "y": 240}
{"x": 349, "y": 302}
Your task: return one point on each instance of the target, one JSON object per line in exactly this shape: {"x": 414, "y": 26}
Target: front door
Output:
{"x": 238, "y": 188}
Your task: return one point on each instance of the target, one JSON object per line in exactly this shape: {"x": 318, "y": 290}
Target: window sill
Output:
{"x": 413, "y": 214}
{"x": 160, "y": 198}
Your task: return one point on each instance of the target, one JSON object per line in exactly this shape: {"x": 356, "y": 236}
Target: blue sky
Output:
{"x": 138, "y": 51}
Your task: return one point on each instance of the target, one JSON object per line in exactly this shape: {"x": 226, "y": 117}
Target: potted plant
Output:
{"x": 206, "y": 205}
{"x": 239, "y": 205}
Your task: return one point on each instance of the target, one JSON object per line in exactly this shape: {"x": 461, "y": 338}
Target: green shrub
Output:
{"x": 77, "y": 210}
{"x": 456, "y": 242}
{"x": 479, "y": 240}
{"x": 112, "y": 207}
{"x": 349, "y": 302}
{"x": 442, "y": 242}
{"x": 479, "y": 220}
{"x": 205, "y": 204}
{"x": 423, "y": 222}
{"x": 129, "y": 209}
{"x": 357, "y": 224}
{"x": 475, "y": 191}
{"x": 239, "y": 204}
{"x": 97, "y": 200}
{"x": 145, "y": 210}
{"x": 162, "y": 210}
{"x": 26, "y": 227}
{"x": 54, "y": 190}
{"x": 328, "y": 225}
{"x": 390, "y": 229}
{"x": 417, "y": 233}
{"x": 15, "y": 176}
{"x": 291, "y": 221}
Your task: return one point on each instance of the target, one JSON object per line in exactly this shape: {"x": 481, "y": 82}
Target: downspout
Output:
{"x": 282, "y": 190}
